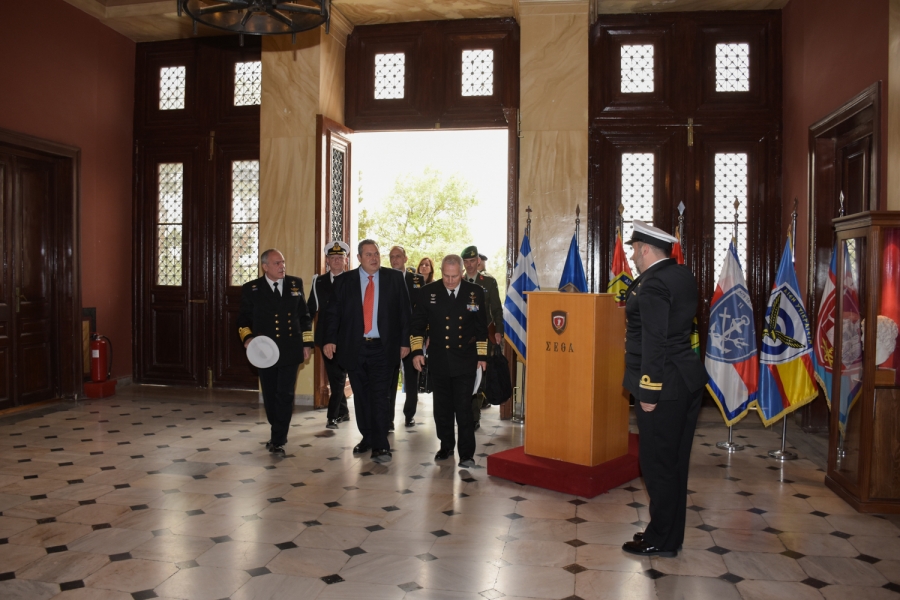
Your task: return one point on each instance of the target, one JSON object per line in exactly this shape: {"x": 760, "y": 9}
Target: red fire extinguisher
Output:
{"x": 101, "y": 358}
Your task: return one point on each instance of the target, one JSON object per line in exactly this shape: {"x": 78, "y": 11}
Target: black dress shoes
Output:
{"x": 467, "y": 463}
{"x": 361, "y": 447}
{"x": 331, "y": 424}
{"x": 639, "y": 536}
{"x": 277, "y": 449}
{"x": 410, "y": 422}
{"x": 381, "y": 456}
{"x": 642, "y": 548}
{"x": 343, "y": 418}
{"x": 269, "y": 445}
{"x": 443, "y": 454}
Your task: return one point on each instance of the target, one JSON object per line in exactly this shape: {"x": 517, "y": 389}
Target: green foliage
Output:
{"x": 427, "y": 214}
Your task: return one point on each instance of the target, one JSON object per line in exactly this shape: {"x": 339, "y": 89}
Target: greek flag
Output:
{"x": 515, "y": 309}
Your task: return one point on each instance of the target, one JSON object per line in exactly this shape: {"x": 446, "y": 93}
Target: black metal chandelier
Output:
{"x": 258, "y": 17}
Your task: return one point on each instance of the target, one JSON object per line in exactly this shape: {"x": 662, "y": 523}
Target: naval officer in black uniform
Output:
{"x": 321, "y": 289}
{"x": 666, "y": 378}
{"x": 274, "y": 306}
{"x": 453, "y": 313}
{"x": 414, "y": 283}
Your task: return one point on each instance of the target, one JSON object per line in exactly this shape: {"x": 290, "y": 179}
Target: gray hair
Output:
{"x": 453, "y": 259}
{"x": 264, "y": 257}
{"x": 365, "y": 242}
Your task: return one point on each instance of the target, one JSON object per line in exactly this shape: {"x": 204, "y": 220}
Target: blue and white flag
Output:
{"x": 731, "y": 359}
{"x": 573, "y": 279}
{"x": 515, "y": 309}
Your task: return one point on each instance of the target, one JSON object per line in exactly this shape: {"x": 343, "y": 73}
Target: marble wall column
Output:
{"x": 554, "y": 144}
{"x": 299, "y": 81}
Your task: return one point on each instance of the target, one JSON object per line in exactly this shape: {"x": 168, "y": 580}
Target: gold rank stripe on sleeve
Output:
{"x": 649, "y": 385}
{"x": 244, "y": 332}
{"x": 307, "y": 336}
{"x": 482, "y": 348}
{"x": 416, "y": 342}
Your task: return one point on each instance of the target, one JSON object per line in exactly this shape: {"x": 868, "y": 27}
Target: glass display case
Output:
{"x": 864, "y": 440}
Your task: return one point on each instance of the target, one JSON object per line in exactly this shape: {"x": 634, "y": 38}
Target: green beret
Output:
{"x": 470, "y": 252}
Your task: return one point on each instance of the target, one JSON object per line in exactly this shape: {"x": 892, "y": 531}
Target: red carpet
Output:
{"x": 578, "y": 480}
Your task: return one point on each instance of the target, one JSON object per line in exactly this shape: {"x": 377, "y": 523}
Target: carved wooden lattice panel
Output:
{"x": 171, "y": 87}
{"x": 637, "y": 68}
{"x": 244, "y": 221}
{"x": 390, "y": 76}
{"x": 247, "y": 83}
{"x": 732, "y": 67}
{"x": 638, "y": 185}
{"x": 730, "y": 185}
{"x": 337, "y": 194}
{"x": 169, "y": 224}
{"x": 478, "y": 73}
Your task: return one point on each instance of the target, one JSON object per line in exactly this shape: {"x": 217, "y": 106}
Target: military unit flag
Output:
{"x": 620, "y": 276}
{"x": 787, "y": 363}
{"x": 515, "y": 309}
{"x": 731, "y": 358}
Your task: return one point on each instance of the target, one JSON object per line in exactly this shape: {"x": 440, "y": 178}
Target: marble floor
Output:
{"x": 166, "y": 493}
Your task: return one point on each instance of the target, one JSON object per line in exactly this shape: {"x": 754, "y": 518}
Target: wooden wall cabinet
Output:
{"x": 864, "y": 445}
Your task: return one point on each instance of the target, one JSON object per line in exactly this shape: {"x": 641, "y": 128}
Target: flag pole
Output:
{"x": 518, "y": 417}
{"x": 783, "y": 454}
{"x": 730, "y": 446}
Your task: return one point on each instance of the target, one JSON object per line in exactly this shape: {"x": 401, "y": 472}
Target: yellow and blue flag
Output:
{"x": 620, "y": 276}
{"x": 787, "y": 363}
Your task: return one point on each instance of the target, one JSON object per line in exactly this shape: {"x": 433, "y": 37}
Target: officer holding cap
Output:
{"x": 336, "y": 259}
{"x": 666, "y": 378}
{"x": 274, "y": 306}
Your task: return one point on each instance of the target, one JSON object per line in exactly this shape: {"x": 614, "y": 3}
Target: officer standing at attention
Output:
{"x": 414, "y": 283}
{"x": 666, "y": 378}
{"x": 452, "y": 312}
{"x": 336, "y": 253}
{"x": 471, "y": 260}
{"x": 274, "y": 306}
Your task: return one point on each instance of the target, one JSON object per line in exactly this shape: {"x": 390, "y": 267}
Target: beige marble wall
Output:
{"x": 299, "y": 81}
{"x": 554, "y": 145}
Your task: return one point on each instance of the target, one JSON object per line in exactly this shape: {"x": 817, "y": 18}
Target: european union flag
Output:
{"x": 573, "y": 279}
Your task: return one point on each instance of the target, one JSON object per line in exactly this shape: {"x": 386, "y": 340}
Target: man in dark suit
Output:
{"x": 666, "y": 378}
{"x": 367, "y": 330}
{"x": 454, "y": 313}
{"x": 414, "y": 282}
{"x": 274, "y": 306}
{"x": 322, "y": 286}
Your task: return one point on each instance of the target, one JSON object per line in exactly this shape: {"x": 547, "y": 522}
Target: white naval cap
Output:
{"x": 649, "y": 234}
{"x": 337, "y": 248}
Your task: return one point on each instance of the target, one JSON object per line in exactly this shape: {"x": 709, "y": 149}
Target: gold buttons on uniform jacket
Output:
{"x": 460, "y": 318}
{"x": 446, "y": 337}
{"x": 448, "y": 318}
{"x": 448, "y": 327}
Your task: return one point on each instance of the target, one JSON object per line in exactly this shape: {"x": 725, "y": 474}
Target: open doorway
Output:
{"x": 434, "y": 193}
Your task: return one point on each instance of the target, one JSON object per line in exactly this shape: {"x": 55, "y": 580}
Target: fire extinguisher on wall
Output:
{"x": 101, "y": 358}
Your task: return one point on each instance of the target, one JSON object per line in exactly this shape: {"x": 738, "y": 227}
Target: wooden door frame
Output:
{"x": 324, "y": 129}
{"x": 824, "y": 186}
{"x": 67, "y": 255}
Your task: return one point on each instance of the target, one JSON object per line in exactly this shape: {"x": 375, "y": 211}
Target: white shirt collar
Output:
{"x": 272, "y": 283}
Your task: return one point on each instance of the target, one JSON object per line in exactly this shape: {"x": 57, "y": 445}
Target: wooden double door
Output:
{"x": 196, "y": 209}
{"x": 189, "y": 298}
{"x": 29, "y": 363}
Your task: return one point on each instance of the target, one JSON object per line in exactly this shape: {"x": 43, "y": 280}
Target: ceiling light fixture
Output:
{"x": 258, "y": 17}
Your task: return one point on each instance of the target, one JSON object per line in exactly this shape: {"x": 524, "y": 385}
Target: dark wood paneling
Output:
{"x": 432, "y": 93}
{"x": 684, "y": 89}
{"x": 6, "y": 299}
{"x": 844, "y": 148}
{"x": 196, "y": 320}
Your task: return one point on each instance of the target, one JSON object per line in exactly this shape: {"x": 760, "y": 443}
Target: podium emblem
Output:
{"x": 558, "y": 319}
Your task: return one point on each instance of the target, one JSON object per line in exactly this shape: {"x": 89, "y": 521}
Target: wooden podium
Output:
{"x": 575, "y": 409}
